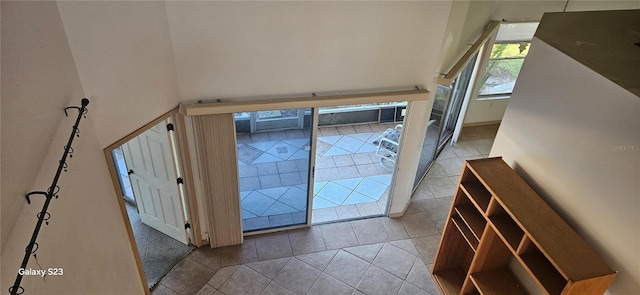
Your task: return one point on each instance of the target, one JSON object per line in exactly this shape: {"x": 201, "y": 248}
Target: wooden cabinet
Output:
{"x": 495, "y": 220}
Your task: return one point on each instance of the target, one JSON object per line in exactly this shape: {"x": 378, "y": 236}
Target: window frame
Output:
{"x": 497, "y": 96}
{"x": 507, "y": 32}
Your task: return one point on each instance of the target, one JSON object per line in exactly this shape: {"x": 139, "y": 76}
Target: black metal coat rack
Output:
{"x": 52, "y": 192}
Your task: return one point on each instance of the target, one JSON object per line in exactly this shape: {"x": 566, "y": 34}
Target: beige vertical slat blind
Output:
{"x": 218, "y": 161}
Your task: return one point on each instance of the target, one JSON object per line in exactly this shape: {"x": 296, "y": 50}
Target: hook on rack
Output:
{"x": 64, "y": 165}
{"x": 54, "y": 191}
{"x": 35, "y": 193}
{"x": 18, "y": 290}
{"x": 33, "y": 250}
{"x": 46, "y": 217}
{"x": 70, "y": 149}
{"x": 83, "y": 109}
{"x": 76, "y": 130}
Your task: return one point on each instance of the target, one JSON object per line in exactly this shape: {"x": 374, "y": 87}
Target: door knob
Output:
{"x": 130, "y": 172}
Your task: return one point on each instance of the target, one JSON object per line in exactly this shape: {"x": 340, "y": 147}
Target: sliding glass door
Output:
{"x": 444, "y": 117}
{"x": 274, "y": 154}
{"x": 356, "y": 151}
{"x": 460, "y": 89}
{"x": 354, "y": 155}
{"x": 434, "y": 129}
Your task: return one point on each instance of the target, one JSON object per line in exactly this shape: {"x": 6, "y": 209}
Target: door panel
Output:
{"x": 169, "y": 210}
{"x": 444, "y": 117}
{"x": 149, "y": 158}
{"x": 161, "y": 169}
{"x": 144, "y": 197}
{"x": 460, "y": 89}
{"x": 273, "y": 169}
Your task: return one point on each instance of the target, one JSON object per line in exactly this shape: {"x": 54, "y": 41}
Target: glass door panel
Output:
{"x": 460, "y": 88}
{"x": 444, "y": 116}
{"x": 273, "y": 165}
{"x": 432, "y": 136}
{"x": 352, "y": 173}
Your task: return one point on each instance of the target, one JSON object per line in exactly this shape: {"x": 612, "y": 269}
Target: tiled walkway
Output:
{"x": 274, "y": 167}
{"x": 372, "y": 256}
{"x": 159, "y": 253}
{"x": 350, "y": 182}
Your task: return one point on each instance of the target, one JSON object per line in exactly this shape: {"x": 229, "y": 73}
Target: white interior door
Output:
{"x": 149, "y": 158}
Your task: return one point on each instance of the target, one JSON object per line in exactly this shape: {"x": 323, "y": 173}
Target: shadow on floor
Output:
{"x": 158, "y": 252}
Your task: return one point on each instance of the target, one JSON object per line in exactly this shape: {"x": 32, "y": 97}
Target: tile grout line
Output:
{"x": 353, "y": 231}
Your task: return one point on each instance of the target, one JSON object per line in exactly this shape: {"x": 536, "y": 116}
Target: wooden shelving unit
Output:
{"x": 496, "y": 217}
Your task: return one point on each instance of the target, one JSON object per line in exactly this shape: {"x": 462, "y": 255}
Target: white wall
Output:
{"x": 232, "y": 50}
{"x": 125, "y": 61}
{"x": 151, "y": 55}
{"x": 573, "y": 136}
{"x": 485, "y": 111}
{"x": 86, "y": 235}
{"x": 466, "y": 22}
{"x": 38, "y": 79}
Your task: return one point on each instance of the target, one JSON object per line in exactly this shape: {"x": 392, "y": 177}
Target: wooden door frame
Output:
{"x": 182, "y": 154}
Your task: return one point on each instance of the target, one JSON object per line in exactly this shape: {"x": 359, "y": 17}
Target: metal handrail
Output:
{"x": 44, "y": 216}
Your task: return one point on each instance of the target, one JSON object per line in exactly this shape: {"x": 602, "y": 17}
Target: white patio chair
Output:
{"x": 388, "y": 145}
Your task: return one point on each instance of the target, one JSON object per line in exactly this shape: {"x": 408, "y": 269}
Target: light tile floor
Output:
{"x": 159, "y": 253}
{"x": 370, "y": 256}
{"x": 274, "y": 167}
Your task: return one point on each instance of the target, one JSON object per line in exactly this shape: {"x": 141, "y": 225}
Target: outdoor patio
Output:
{"x": 349, "y": 179}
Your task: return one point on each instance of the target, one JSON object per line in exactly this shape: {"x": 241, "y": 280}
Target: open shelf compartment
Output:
{"x": 536, "y": 263}
{"x": 467, "y": 219}
{"x": 508, "y": 230}
{"x": 505, "y": 226}
{"x": 498, "y": 281}
{"x": 472, "y": 218}
{"x": 453, "y": 262}
{"x": 475, "y": 190}
{"x": 478, "y": 193}
{"x": 450, "y": 280}
{"x": 466, "y": 232}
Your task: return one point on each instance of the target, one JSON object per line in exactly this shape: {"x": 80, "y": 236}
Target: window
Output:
{"x": 503, "y": 68}
{"x": 505, "y": 59}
